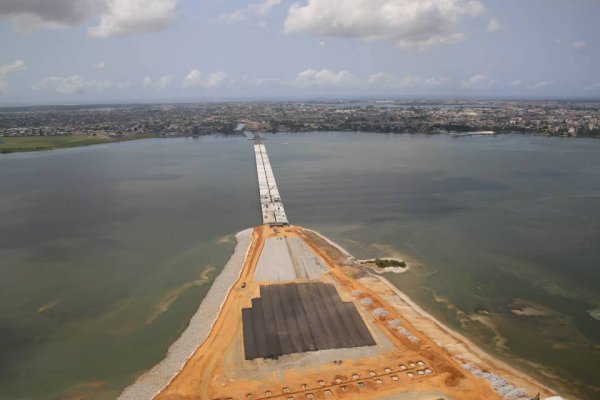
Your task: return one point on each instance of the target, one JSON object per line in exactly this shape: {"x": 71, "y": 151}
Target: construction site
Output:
{"x": 304, "y": 320}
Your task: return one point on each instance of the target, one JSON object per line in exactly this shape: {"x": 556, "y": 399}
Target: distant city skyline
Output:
{"x": 84, "y": 51}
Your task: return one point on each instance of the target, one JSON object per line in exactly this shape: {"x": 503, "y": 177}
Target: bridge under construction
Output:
{"x": 271, "y": 206}
{"x": 305, "y": 320}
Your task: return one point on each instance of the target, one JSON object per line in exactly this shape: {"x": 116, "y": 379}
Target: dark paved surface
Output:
{"x": 300, "y": 317}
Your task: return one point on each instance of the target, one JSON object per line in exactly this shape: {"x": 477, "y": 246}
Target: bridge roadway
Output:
{"x": 271, "y": 206}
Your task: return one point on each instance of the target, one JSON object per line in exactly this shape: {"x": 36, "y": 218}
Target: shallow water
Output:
{"x": 495, "y": 223}
{"x": 106, "y": 251}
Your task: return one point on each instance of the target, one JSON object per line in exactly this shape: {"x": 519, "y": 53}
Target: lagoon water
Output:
{"x": 106, "y": 251}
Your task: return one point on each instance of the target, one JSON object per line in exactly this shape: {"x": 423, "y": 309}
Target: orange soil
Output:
{"x": 217, "y": 369}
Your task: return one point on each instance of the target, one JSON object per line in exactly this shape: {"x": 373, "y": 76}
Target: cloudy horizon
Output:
{"x": 85, "y": 51}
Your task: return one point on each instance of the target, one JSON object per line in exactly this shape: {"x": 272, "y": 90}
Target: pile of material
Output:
{"x": 300, "y": 317}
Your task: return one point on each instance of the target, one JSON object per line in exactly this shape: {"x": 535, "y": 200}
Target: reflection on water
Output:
{"x": 106, "y": 251}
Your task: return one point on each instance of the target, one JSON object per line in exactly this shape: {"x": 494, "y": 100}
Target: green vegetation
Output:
{"x": 35, "y": 143}
{"x": 389, "y": 263}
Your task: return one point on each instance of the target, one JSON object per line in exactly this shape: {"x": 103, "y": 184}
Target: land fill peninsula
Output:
{"x": 294, "y": 316}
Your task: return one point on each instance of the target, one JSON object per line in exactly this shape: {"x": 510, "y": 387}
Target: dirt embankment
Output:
{"x": 456, "y": 345}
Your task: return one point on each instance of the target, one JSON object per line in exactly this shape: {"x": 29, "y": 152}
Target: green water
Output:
{"x": 106, "y": 251}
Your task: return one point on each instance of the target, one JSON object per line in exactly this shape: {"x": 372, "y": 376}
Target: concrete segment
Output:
{"x": 270, "y": 200}
{"x": 286, "y": 259}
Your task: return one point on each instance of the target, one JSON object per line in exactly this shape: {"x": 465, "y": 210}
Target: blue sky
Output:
{"x": 69, "y": 51}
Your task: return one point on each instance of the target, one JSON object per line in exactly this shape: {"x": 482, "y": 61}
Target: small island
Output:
{"x": 387, "y": 264}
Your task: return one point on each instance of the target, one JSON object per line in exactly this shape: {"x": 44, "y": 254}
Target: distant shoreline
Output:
{"x": 27, "y": 144}
{"x": 24, "y": 144}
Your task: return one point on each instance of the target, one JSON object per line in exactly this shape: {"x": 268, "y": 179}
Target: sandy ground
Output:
{"x": 458, "y": 346}
{"x": 152, "y": 382}
{"x": 211, "y": 365}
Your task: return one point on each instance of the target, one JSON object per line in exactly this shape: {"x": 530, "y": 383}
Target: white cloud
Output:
{"x": 494, "y": 25}
{"x": 30, "y": 23}
{"x": 195, "y": 78}
{"x": 99, "y": 65}
{"x": 347, "y": 79}
{"x": 134, "y": 16}
{"x": 30, "y": 15}
{"x": 532, "y": 85}
{"x": 264, "y": 7}
{"x": 578, "y": 44}
{"x": 382, "y": 79}
{"x": 260, "y": 9}
{"x": 76, "y": 84}
{"x": 325, "y": 78}
{"x": 408, "y": 23}
{"x": 215, "y": 79}
{"x": 540, "y": 84}
{"x": 162, "y": 82}
{"x": 479, "y": 82}
{"x": 6, "y": 69}
{"x": 232, "y": 17}
{"x": 263, "y": 82}
{"x": 116, "y": 16}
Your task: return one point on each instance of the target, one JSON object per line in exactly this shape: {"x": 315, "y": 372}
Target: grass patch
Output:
{"x": 18, "y": 144}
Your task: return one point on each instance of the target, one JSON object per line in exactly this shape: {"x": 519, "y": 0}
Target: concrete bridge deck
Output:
{"x": 271, "y": 206}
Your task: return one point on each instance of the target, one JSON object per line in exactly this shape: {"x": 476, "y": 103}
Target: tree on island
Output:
{"x": 389, "y": 263}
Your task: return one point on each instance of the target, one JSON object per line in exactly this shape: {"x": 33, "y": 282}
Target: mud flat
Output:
{"x": 459, "y": 347}
{"x": 152, "y": 382}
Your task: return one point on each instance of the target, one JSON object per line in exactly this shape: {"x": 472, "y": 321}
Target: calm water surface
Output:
{"x": 106, "y": 251}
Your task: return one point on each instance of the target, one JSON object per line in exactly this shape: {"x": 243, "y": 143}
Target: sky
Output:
{"x": 85, "y": 51}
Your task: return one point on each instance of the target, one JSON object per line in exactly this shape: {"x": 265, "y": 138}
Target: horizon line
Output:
{"x": 287, "y": 98}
